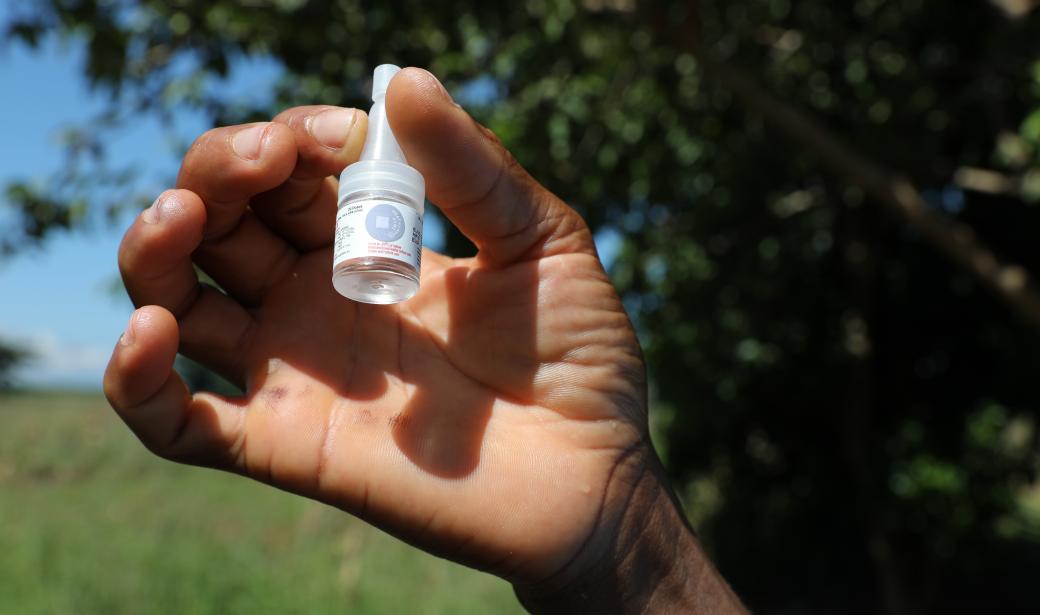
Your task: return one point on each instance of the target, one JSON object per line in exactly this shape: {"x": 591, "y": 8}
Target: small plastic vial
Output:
{"x": 378, "y": 244}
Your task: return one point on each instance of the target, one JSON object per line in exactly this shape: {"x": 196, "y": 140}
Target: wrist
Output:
{"x": 642, "y": 557}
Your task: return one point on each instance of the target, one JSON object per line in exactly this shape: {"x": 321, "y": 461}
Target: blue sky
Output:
{"x": 56, "y": 300}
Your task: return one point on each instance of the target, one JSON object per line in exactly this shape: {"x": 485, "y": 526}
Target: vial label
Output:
{"x": 378, "y": 228}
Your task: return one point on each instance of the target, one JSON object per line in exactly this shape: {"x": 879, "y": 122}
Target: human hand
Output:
{"x": 498, "y": 418}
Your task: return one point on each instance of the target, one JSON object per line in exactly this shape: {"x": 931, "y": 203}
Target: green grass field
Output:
{"x": 90, "y": 522}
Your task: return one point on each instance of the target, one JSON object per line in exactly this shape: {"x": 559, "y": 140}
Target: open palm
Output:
{"x": 493, "y": 418}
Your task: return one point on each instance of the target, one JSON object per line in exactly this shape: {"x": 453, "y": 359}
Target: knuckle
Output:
{"x": 110, "y": 388}
{"x": 490, "y": 135}
{"x": 127, "y": 257}
{"x": 159, "y": 449}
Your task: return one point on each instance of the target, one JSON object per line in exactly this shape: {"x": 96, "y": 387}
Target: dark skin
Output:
{"x": 498, "y": 418}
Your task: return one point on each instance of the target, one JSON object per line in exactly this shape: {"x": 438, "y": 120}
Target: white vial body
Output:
{"x": 378, "y": 247}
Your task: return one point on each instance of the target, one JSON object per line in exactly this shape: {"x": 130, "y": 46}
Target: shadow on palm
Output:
{"x": 430, "y": 369}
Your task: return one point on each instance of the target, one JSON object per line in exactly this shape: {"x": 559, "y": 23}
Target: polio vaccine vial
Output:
{"x": 378, "y": 243}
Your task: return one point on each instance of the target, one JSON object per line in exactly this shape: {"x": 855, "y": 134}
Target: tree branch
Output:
{"x": 957, "y": 241}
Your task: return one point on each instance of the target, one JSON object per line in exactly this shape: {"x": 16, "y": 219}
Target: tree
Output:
{"x": 10, "y": 358}
{"x": 825, "y": 214}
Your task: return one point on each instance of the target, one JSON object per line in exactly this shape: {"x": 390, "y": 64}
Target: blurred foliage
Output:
{"x": 83, "y": 183}
{"x": 855, "y": 418}
{"x": 10, "y": 358}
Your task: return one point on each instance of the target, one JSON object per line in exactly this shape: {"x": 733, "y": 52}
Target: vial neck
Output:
{"x": 380, "y": 143}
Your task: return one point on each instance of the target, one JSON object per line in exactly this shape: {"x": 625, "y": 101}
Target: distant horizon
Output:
{"x": 15, "y": 391}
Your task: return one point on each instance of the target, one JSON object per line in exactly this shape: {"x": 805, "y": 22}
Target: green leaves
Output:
{"x": 10, "y": 358}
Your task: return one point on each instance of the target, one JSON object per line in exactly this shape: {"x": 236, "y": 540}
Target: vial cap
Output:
{"x": 382, "y": 167}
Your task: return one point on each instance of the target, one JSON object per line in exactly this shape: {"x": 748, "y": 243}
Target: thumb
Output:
{"x": 474, "y": 180}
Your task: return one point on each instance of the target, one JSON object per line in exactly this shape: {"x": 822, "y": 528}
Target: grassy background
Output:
{"x": 90, "y": 522}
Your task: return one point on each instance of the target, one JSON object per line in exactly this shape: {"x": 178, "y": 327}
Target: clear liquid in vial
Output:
{"x": 375, "y": 279}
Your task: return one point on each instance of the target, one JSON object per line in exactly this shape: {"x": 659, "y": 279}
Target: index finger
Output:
{"x": 228, "y": 166}
{"x": 302, "y": 210}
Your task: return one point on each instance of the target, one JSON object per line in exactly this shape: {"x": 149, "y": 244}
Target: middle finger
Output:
{"x": 227, "y": 167}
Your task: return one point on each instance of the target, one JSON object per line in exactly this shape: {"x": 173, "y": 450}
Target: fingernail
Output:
{"x": 127, "y": 338}
{"x": 152, "y": 214}
{"x": 161, "y": 208}
{"x": 332, "y": 127}
{"x": 246, "y": 143}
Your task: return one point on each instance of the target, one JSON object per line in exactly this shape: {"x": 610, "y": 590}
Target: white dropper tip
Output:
{"x": 380, "y": 143}
{"x": 381, "y": 79}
